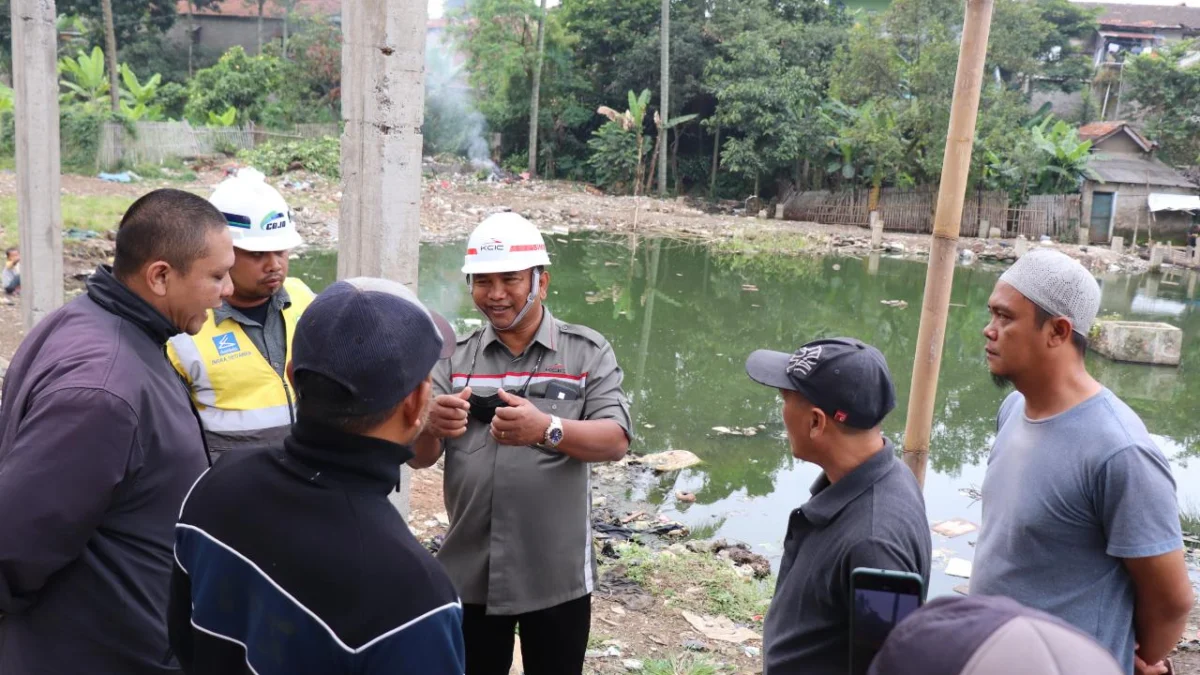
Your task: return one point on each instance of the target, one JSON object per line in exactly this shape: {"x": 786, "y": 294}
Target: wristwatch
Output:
{"x": 554, "y": 433}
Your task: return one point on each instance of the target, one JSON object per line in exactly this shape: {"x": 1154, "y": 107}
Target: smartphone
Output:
{"x": 879, "y": 599}
{"x": 559, "y": 391}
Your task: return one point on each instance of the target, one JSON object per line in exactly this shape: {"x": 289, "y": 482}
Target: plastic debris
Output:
{"x": 958, "y": 567}
{"x": 955, "y": 527}
{"x": 720, "y": 628}
{"x": 123, "y": 177}
{"x": 671, "y": 460}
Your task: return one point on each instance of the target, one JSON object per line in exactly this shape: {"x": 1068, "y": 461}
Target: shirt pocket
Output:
{"x": 567, "y": 410}
{"x": 469, "y": 443}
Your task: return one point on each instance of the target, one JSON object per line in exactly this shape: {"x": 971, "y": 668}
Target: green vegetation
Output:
{"x": 1189, "y": 517}
{"x": 697, "y": 582}
{"x": 321, "y": 156}
{"x": 86, "y": 214}
{"x": 1167, "y": 93}
{"x": 685, "y": 664}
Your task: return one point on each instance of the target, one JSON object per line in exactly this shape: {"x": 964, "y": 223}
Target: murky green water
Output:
{"x": 682, "y": 322}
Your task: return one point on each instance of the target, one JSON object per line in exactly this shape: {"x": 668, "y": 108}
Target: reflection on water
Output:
{"x": 683, "y": 320}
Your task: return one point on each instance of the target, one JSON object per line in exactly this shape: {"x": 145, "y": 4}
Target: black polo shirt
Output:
{"x": 872, "y": 517}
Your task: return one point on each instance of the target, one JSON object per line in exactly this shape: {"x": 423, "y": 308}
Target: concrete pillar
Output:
{"x": 383, "y": 99}
{"x": 39, "y": 213}
{"x": 1118, "y": 244}
{"x": 873, "y": 263}
{"x": 985, "y": 228}
{"x": 1157, "y": 253}
{"x": 1152, "y": 285}
{"x": 1083, "y": 236}
{"x": 876, "y": 231}
{"x": 994, "y": 233}
{"x": 1021, "y": 247}
{"x": 1191, "y": 285}
{"x": 779, "y": 212}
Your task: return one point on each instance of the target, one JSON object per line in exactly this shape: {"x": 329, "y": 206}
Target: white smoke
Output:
{"x": 450, "y": 104}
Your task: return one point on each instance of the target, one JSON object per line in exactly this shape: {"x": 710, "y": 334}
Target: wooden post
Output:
{"x": 383, "y": 100}
{"x": 39, "y": 213}
{"x": 956, "y": 163}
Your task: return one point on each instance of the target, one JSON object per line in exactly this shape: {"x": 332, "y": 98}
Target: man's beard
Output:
{"x": 1001, "y": 381}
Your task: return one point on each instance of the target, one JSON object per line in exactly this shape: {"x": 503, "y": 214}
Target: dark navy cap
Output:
{"x": 988, "y": 635}
{"x": 373, "y": 337}
{"x": 846, "y": 378}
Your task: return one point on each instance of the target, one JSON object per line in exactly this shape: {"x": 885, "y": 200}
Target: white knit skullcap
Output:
{"x": 1058, "y": 284}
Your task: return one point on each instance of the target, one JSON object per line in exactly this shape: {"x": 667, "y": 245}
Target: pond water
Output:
{"x": 683, "y": 319}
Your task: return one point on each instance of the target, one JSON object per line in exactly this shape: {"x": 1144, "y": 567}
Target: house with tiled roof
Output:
{"x": 1135, "y": 190}
{"x": 231, "y": 23}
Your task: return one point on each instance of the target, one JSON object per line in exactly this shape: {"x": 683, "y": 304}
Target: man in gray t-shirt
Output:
{"x": 1080, "y": 518}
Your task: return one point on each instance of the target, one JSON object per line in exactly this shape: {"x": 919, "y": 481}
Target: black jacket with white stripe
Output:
{"x": 291, "y": 560}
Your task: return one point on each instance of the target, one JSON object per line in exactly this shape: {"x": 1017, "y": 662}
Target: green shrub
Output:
{"x": 79, "y": 136}
{"x": 321, "y": 156}
{"x": 238, "y": 81}
{"x": 613, "y": 157}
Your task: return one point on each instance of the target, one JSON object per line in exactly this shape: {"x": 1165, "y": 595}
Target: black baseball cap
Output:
{"x": 374, "y": 338}
{"x": 846, "y": 378}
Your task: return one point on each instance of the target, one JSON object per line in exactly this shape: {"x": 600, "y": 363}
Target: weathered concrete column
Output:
{"x": 1021, "y": 247}
{"x": 1118, "y": 244}
{"x": 985, "y": 228}
{"x": 873, "y": 263}
{"x": 1084, "y": 236}
{"x": 39, "y": 213}
{"x": 1191, "y": 285}
{"x": 876, "y": 231}
{"x": 1157, "y": 253}
{"x": 383, "y": 101}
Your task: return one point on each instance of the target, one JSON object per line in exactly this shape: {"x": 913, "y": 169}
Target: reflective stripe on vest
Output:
{"x": 233, "y": 385}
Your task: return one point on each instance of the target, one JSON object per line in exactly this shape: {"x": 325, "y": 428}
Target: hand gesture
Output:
{"x": 448, "y": 415}
{"x": 521, "y": 423}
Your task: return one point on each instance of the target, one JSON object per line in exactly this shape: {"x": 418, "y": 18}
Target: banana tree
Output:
{"x": 85, "y": 76}
{"x": 663, "y": 130}
{"x": 633, "y": 119}
{"x": 138, "y": 98}
{"x": 225, "y": 119}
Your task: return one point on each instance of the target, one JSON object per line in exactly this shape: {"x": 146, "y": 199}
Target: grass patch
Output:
{"x": 697, "y": 582}
{"x": 1189, "y": 518}
{"x": 680, "y": 665}
{"x": 596, "y": 640}
{"x": 96, "y": 213}
{"x": 706, "y": 531}
{"x": 174, "y": 171}
{"x": 766, "y": 241}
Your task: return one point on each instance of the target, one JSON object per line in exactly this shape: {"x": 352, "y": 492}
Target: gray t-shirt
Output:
{"x": 1065, "y": 499}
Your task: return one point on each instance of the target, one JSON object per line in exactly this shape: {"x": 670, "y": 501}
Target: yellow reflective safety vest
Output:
{"x": 240, "y": 397}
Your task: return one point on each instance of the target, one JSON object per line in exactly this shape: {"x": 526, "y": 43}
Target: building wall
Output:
{"x": 1132, "y": 211}
{"x": 1062, "y": 104}
{"x": 1119, "y": 144}
{"x": 219, "y": 33}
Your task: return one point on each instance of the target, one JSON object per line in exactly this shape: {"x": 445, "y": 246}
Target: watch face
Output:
{"x": 556, "y": 436}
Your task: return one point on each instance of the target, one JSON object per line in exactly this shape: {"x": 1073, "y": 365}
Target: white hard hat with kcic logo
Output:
{"x": 259, "y": 218}
{"x": 504, "y": 242}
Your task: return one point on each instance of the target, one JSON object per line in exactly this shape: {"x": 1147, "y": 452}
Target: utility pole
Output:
{"x": 39, "y": 214}
{"x": 956, "y": 163}
{"x": 110, "y": 46}
{"x": 534, "y": 111}
{"x": 383, "y": 102}
{"x": 664, "y": 94}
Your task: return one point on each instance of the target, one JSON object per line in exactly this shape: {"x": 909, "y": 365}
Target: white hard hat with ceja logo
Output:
{"x": 259, "y": 219}
{"x": 504, "y": 242}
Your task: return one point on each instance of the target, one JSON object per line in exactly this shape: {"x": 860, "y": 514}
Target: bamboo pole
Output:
{"x": 956, "y": 163}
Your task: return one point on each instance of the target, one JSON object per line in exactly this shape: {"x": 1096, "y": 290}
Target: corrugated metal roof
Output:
{"x": 249, "y": 8}
{"x": 1147, "y": 16}
{"x": 1138, "y": 171}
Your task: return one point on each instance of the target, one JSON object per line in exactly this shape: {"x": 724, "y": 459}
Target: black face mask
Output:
{"x": 483, "y": 408}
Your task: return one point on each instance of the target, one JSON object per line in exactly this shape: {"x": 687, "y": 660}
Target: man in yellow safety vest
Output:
{"x": 235, "y": 365}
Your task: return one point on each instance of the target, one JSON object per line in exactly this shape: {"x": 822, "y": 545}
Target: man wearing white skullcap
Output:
{"x": 1080, "y": 518}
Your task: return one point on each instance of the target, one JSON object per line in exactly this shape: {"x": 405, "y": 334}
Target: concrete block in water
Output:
{"x": 876, "y": 231}
{"x": 1158, "y": 253}
{"x": 1138, "y": 342}
{"x": 1118, "y": 244}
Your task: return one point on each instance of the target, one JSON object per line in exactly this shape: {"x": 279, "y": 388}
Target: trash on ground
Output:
{"x": 955, "y": 527}
{"x": 958, "y": 567}
{"x": 123, "y": 177}
{"x": 720, "y": 628}
{"x": 898, "y": 304}
{"x": 749, "y": 287}
{"x": 736, "y": 431}
{"x": 682, "y": 496}
{"x": 671, "y": 460}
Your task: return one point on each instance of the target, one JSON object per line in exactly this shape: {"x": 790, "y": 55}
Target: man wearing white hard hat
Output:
{"x": 1080, "y": 518}
{"x": 522, "y": 409}
{"x": 235, "y": 364}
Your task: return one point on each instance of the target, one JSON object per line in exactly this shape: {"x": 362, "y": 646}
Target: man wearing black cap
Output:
{"x": 866, "y": 509}
{"x": 290, "y": 560}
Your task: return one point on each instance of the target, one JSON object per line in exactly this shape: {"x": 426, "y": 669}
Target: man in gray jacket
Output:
{"x": 99, "y": 445}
